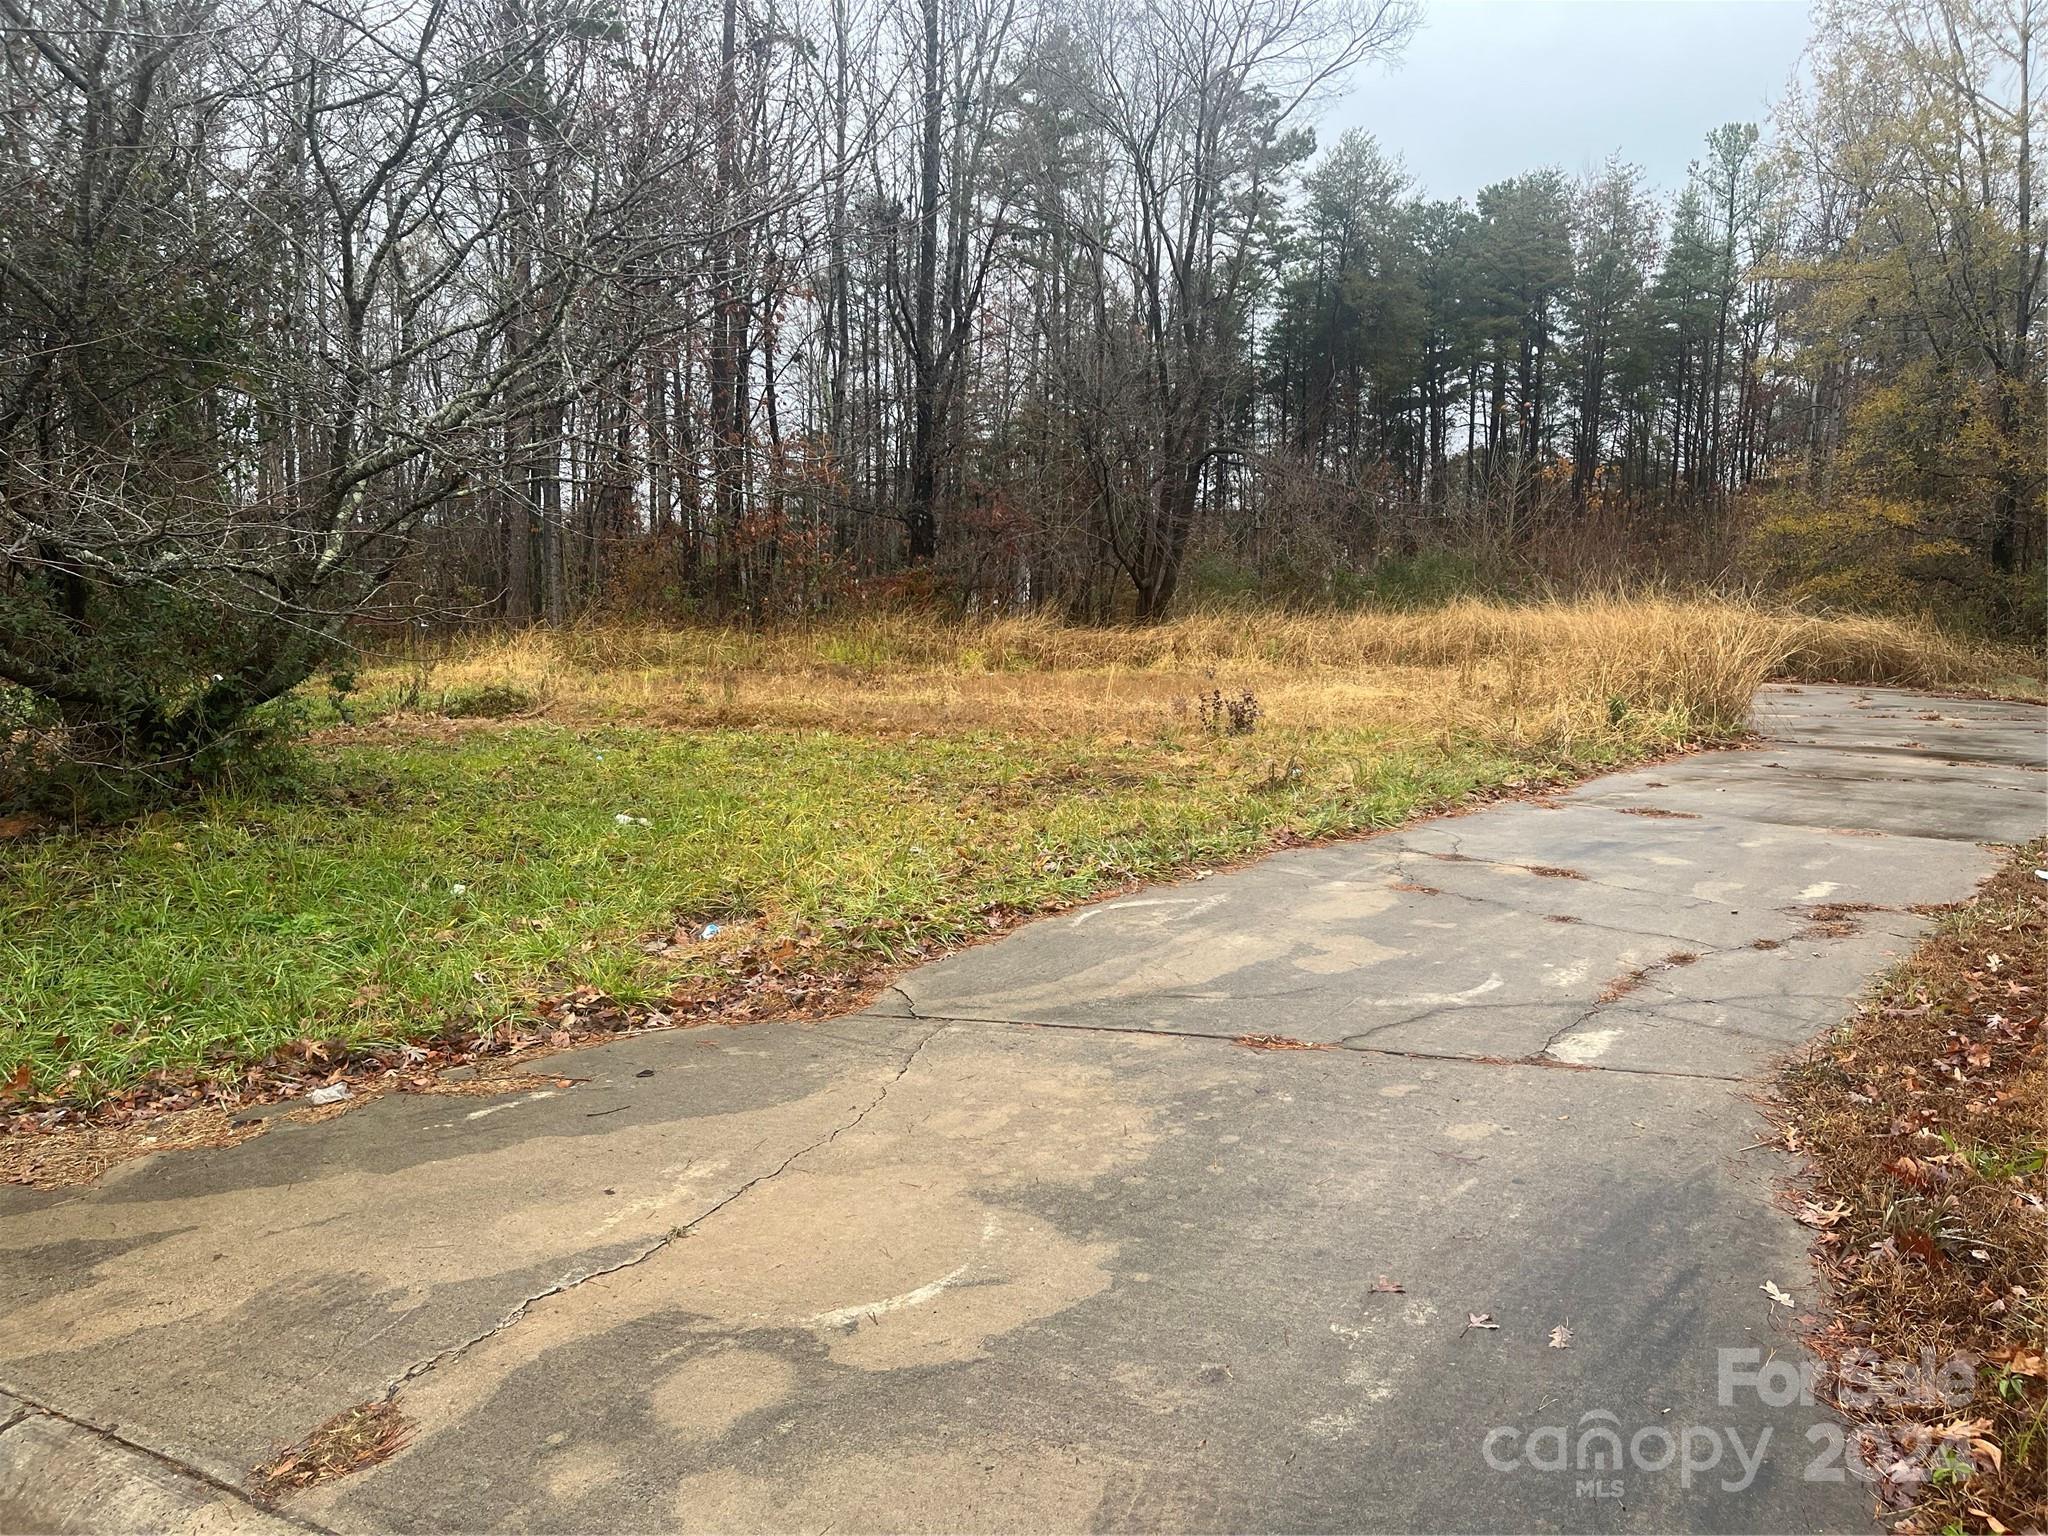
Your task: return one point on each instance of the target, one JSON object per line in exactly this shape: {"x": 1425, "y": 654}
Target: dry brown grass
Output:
{"x": 1547, "y": 674}
{"x": 1544, "y": 673}
{"x": 1901, "y": 653}
{"x": 1926, "y": 1122}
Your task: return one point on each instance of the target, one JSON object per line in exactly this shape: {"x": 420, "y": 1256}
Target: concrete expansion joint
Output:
{"x": 570, "y": 1283}
{"x": 1457, "y": 856}
{"x": 1351, "y": 1044}
{"x": 32, "y": 1409}
{"x": 1478, "y": 900}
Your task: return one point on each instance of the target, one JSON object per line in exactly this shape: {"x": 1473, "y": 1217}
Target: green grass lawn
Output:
{"x": 409, "y": 882}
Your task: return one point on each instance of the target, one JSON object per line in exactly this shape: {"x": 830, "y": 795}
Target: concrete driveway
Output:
{"x": 1249, "y": 1203}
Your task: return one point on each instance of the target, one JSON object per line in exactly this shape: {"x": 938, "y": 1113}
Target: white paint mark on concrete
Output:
{"x": 840, "y": 1317}
{"x": 1820, "y": 890}
{"x": 1492, "y": 983}
{"x": 1567, "y": 975}
{"x": 1196, "y": 905}
{"x": 1588, "y": 1045}
{"x": 492, "y": 1109}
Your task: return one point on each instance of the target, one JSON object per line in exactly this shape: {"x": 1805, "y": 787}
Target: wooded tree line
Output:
{"x": 515, "y": 308}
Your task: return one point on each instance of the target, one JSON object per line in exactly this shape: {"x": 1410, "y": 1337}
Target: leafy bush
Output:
{"x": 492, "y": 701}
{"x": 50, "y": 767}
{"x": 1871, "y": 554}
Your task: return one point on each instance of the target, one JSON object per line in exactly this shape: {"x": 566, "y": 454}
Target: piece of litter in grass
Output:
{"x": 458, "y": 890}
{"x": 626, "y": 820}
{"x": 1770, "y": 1289}
{"x": 710, "y": 931}
{"x": 1561, "y": 1337}
{"x": 333, "y": 1093}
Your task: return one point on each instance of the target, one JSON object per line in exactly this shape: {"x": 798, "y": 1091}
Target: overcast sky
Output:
{"x": 1490, "y": 88}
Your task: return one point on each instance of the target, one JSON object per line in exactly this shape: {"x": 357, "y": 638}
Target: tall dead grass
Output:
{"x": 1544, "y": 674}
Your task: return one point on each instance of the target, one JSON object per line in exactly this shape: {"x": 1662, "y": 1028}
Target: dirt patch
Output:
{"x": 1412, "y": 888}
{"x": 1558, "y": 917}
{"x": 71, "y": 1155}
{"x": 488, "y": 1084}
{"x": 1553, "y": 872}
{"x": 1835, "y": 919}
{"x": 1923, "y": 1120}
{"x": 1622, "y": 985}
{"x": 1657, "y": 811}
{"x": 1628, "y": 981}
{"x": 79, "y": 1155}
{"x": 355, "y": 1438}
{"x": 1278, "y": 1043}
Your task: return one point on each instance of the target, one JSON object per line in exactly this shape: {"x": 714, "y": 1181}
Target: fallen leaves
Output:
{"x": 355, "y": 1438}
{"x": 1771, "y": 1289}
{"x": 1922, "y": 1120}
{"x": 1479, "y": 1320}
{"x": 2020, "y": 1360}
{"x": 1813, "y": 1214}
{"x": 80, "y": 1155}
{"x": 1278, "y": 1043}
{"x": 1384, "y": 1286}
{"x": 1561, "y": 1336}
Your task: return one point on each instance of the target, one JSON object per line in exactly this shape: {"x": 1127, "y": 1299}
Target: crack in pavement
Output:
{"x": 1585, "y": 922}
{"x": 569, "y": 1283}
{"x": 1345, "y": 1044}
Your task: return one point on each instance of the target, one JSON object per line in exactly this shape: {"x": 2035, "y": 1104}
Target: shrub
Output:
{"x": 492, "y": 701}
{"x": 1870, "y": 554}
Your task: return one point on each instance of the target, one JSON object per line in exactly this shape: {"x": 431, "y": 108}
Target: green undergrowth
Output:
{"x": 406, "y": 883}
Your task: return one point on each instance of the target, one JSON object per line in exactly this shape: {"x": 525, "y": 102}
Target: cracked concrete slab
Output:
{"x": 1064, "y": 1279}
{"x": 1033, "y": 1244}
{"x": 57, "y": 1477}
{"x": 264, "y": 1293}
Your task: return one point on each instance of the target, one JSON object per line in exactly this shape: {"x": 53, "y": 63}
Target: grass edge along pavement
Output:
{"x": 1924, "y": 1122}
{"x": 587, "y": 971}
{"x": 435, "y": 889}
